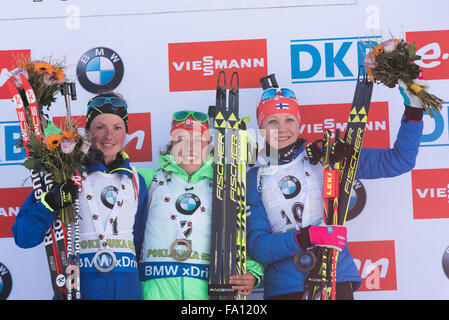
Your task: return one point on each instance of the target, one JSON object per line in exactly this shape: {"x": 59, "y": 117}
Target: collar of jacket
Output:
{"x": 300, "y": 149}
{"x": 168, "y": 164}
{"x": 125, "y": 167}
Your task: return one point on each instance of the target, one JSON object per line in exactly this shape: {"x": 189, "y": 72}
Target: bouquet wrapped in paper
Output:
{"x": 391, "y": 62}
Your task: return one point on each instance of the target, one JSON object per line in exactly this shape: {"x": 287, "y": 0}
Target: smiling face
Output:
{"x": 282, "y": 129}
{"x": 108, "y": 135}
{"x": 189, "y": 148}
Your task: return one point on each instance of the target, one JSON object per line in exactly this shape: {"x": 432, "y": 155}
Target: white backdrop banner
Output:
{"x": 165, "y": 56}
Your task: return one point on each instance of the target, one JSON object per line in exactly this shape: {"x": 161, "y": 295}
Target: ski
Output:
{"x": 231, "y": 181}
{"x": 54, "y": 248}
{"x": 72, "y": 242}
{"x": 337, "y": 188}
{"x": 228, "y": 236}
{"x": 217, "y": 114}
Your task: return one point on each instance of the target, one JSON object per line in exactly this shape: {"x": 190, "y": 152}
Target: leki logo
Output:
{"x": 8, "y": 60}
{"x": 430, "y": 193}
{"x": 138, "y": 142}
{"x": 11, "y": 199}
{"x": 195, "y": 65}
{"x": 318, "y": 118}
{"x": 376, "y": 263}
{"x": 433, "y": 47}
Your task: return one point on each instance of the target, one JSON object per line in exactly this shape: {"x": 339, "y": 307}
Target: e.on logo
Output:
{"x": 433, "y": 47}
{"x": 376, "y": 262}
{"x": 8, "y": 59}
{"x": 318, "y": 118}
{"x": 430, "y": 193}
{"x": 11, "y": 199}
{"x": 195, "y": 65}
{"x": 138, "y": 143}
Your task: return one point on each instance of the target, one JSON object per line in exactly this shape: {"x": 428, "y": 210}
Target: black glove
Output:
{"x": 314, "y": 152}
{"x": 61, "y": 195}
{"x": 339, "y": 150}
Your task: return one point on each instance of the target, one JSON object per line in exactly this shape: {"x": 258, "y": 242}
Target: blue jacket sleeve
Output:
{"x": 32, "y": 223}
{"x": 383, "y": 163}
{"x": 141, "y": 216}
{"x": 264, "y": 246}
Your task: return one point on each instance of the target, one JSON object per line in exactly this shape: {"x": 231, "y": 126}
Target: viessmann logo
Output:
{"x": 195, "y": 65}
{"x": 376, "y": 262}
{"x": 318, "y": 118}
{"x": 430, "y": 193}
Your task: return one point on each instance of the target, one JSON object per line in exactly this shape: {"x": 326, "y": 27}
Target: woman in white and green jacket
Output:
{"x": 179, "y": 218}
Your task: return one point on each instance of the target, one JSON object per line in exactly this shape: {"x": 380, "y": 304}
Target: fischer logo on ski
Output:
{"x": 228, "y": 227}
{"x": 337, "y": 188}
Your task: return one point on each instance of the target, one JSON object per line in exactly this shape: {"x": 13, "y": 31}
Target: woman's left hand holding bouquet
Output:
{"x": 61, "y": 195}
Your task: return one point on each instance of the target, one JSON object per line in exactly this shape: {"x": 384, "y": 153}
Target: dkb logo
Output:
{"x": 436, "y": 129}
{"x": 325, "y": 60}
{"x": 9, "y": 136}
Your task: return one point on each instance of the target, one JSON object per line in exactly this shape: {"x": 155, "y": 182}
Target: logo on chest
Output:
{"x": 187, "y": 203}
{"x": 108, "y": 196}
{"x": 290, "y": 187}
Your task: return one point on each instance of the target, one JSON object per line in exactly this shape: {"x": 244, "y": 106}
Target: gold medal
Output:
{"x": 176, "y": 243}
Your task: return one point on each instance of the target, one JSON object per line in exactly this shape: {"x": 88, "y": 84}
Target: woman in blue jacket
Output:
{"x": 285, "y": 195}
{"x": 112, "y": 210}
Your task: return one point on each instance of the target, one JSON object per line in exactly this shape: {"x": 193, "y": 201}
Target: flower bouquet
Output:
{"x": 45, "y": 76}
{"x": 391, "y": 61}
{"x": 59, "y": 151}
{"x": 62, "y": 153}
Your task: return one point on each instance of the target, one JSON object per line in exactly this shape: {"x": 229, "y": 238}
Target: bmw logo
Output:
{"x": 99, "y": 70}
{"x": 290, "y": 186}
{"x": 445, "y": 262}
{"x": 357, "y": 201}
{"x": 108, "y": 196}
{"x": 187, "y": 203}
{"x": 5, "y": 282}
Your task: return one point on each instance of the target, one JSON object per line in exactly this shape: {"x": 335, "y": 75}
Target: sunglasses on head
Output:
{"x": 196, "y": 115}
{"x": 99, "y": 102}
{"x": 271, "y": 93}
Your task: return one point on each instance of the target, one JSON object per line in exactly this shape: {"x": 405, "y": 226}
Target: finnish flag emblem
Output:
{"x": 282, "y": 106}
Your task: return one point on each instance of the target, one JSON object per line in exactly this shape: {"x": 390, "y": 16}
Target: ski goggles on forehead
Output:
{"x": 271, "y": 93}
{"x": 99, "y": 102}
{"x": 196, "y": 115}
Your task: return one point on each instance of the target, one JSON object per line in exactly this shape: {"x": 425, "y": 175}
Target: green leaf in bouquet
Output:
{"x": 29, "y": 164}
{"x": 411, "y": 49}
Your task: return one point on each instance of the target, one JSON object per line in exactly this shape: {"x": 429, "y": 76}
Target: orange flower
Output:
{"x": 370, "y": 74}
{"x": 70, "y": 135}
{"x": 58, "y": 73}
{"x": 53, "y": 141}
{"x": 377, "y": 50}
{"x": 43, "y": 67}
